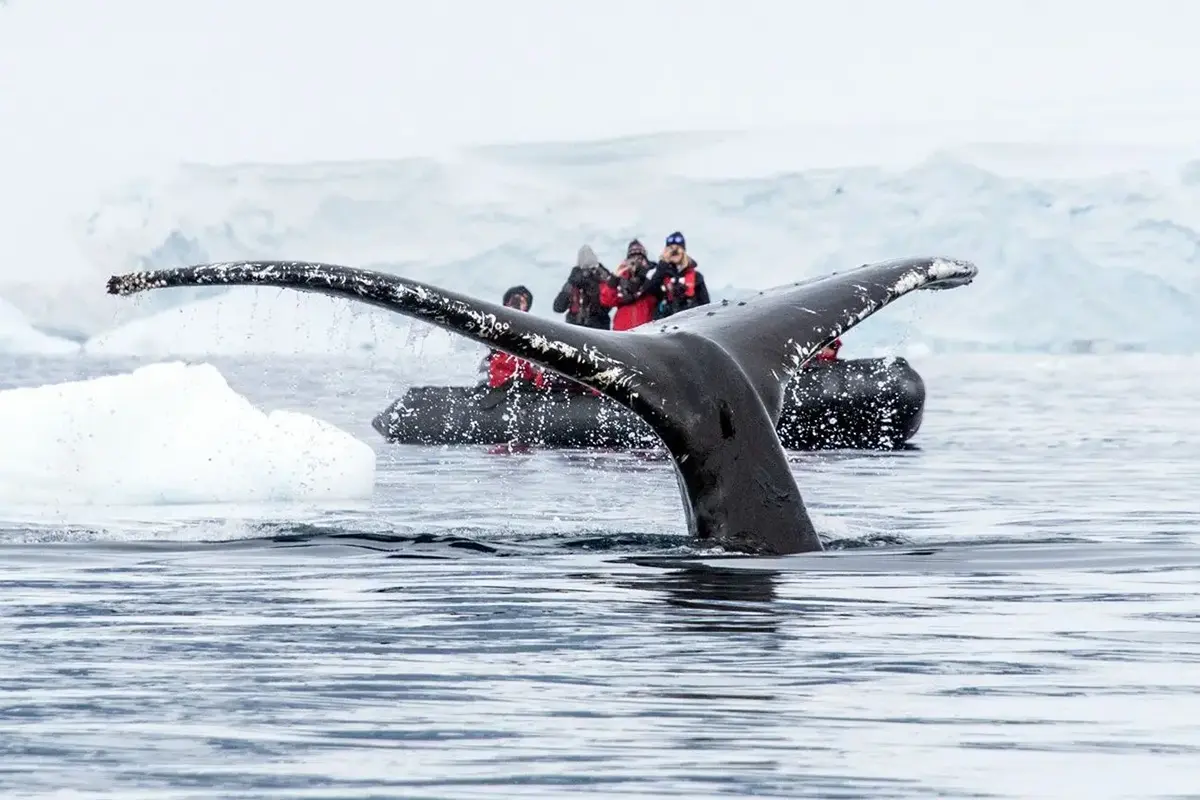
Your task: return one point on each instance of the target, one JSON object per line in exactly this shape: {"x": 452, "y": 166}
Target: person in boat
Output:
{"x": 579, "y": 297}
{"x": 677, "y": 284}
{"x": 628, "y": 290}
{"x": 829, "y": 352}
{"x": 504, "y": 369}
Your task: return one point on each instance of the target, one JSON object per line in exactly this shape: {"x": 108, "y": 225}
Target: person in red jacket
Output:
{"x": 628, "y": 290}
{"x": 829, "y": 352}
{"x": 503, "y": 368}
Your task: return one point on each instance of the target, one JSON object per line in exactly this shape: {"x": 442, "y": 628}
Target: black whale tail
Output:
{"x": 709, "y": 381}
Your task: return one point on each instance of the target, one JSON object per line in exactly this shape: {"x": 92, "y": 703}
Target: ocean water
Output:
{"x": 1008, "y": 611}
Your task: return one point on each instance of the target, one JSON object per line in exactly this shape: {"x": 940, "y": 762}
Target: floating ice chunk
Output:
{"x": 166, "y": 434}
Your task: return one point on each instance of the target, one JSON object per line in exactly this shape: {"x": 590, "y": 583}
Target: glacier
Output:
{"x": 1079, "y": 250}
{"x": 270, "y": 321}
{"x": 19, "y": 337}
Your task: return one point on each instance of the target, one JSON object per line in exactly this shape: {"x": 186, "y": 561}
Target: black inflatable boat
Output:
{"x": 862, "y": 404}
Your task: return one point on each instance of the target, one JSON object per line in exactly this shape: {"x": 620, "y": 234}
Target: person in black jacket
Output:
{"x": 580, "y": 295}
{"x": 677, "y": 283}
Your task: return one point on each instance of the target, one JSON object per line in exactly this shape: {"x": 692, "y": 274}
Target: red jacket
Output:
{"x": 503, "y": 367}
{"x": 823, "y": 356}
{"x": 629, "y": 315}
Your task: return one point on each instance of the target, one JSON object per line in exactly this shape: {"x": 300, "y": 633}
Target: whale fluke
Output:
{"x": 709, "y": 381}
{"x": 773, "y": 333}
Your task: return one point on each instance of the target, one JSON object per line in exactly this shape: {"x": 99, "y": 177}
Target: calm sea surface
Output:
{"x": 1009, "y": 611}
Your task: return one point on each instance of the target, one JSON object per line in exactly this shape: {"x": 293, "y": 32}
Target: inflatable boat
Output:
{"x": 861, "y": 404}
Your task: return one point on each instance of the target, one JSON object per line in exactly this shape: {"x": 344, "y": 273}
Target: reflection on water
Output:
{"x": 717, "y": 600}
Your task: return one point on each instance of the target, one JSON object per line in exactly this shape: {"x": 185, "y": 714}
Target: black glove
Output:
{"x": 662, "y": 275}
{"x": 576, "y": 276}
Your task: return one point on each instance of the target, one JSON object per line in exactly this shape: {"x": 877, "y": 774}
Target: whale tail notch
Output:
{"x": 709, "y": 381}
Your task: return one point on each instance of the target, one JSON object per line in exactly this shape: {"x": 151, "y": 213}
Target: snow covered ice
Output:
{"x": 1104, "y": 254}
{"x": 169, "y": 433}
{"x": 269, "y": 321}
{"x": 18, "y": 336}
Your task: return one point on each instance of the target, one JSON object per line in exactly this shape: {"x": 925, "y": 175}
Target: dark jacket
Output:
{"x": 678, "y": 289}
{"x": 579, "y": 297}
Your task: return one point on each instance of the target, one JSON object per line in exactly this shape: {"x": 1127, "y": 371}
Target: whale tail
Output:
{"x": 709, "y": 381}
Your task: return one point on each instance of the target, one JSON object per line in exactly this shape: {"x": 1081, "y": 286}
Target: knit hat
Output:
{"x": 677, "y": 238}
{"x": 636, "y": 248}
{"x": 519, "y": 290}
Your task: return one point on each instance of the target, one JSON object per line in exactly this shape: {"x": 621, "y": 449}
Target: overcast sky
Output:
{"x": 98, "y": 90}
